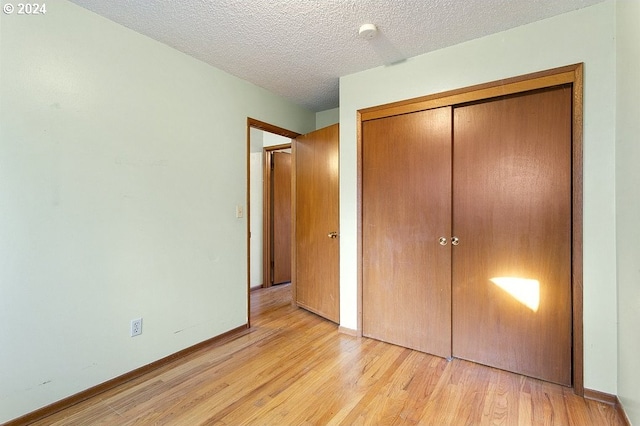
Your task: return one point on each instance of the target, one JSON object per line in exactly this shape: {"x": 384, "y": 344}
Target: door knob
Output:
{"x": 455, "y": 241}
{"x": 442, "y": 241}
{"x": 333, "y": 235}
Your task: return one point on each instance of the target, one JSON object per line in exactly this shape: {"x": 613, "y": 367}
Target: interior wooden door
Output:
{"x": 317, "y": 249}
{"x": 281, "y": 229}
{"x": 512, "y": 215}
{"x": 406, "y": 209}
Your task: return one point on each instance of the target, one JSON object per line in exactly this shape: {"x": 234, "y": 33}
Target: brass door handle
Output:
{"x": 442, "y": 241}
{"x": 333, "y": 235}
{"x": 455, "y": 241}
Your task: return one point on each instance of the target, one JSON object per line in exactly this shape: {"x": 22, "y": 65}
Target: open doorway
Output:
{"x": 268, "y": 146}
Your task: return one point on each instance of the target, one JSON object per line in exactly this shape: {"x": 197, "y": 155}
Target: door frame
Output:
{"x": 267, "y": 208}
{"x": 266, "y": 127}
{"x": 571, "y": 74}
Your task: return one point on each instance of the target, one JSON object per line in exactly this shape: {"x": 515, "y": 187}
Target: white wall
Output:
{"x": 586, "y": 35}
{"x": 271, "y": 139}
{"x": 255, "y": 177}
{"x": 121, "y": 163}
{"x": 628, "y": 204}
{"x": 256, "y": 137}
{"x": 327, "y": 118}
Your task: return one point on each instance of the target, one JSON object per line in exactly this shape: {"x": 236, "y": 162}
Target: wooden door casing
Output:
{"x": 317, "y": 274}
{"x": 512, "y": 215}
{"x": 406, "y": 208}
{"x": 281, "y": 232}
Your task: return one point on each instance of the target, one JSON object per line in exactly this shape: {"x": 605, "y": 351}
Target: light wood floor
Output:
{"x": 294, "y": 368}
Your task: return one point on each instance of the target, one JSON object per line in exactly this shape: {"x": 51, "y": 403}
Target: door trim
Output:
{"x": 261, "y": 125}
{"x": 571, "y": 74}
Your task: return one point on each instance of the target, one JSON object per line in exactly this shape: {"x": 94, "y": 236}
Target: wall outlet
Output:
{"x": 136, "y": 327}
{"x": 239, "y": 211}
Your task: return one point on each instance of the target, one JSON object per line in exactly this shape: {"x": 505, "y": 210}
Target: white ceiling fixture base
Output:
{"x": 368, "y": 31}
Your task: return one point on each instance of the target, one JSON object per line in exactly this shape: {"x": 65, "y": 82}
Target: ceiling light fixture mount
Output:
{"x": 368, "y": 31}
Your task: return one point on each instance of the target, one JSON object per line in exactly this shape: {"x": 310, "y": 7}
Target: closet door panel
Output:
{"x": 406, "y": 208}
{"x": 511, "y": 275}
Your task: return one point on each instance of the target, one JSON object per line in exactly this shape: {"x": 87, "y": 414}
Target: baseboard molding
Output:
{"x": 607, "y": 398}
{"x": 623, "y": 414}
{"x": 349, "y": 331}
{"x": 48, "y": 410}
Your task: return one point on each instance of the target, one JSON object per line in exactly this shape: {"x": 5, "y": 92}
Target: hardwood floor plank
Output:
{"x": 473, "y": 384}
{"x": 501, "y": 404}
{"x": 421, "y": 388}
{"x": 329, "y": 388}
{"x": 294, "y": 368}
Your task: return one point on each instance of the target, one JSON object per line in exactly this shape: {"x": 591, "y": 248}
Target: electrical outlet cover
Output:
{"x": 136, "y": 327}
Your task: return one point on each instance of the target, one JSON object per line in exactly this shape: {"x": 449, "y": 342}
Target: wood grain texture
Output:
{"x": 577, "y": 223}
{"x": 512, "y": 213}
{"x": 282, "y": 236}
{"x": 252, "y": 122}
{"x": 572, "y": 75}
{"x": 317, "y": 257}
{"x": 406, "y": 208}
{"x": 293, "y": 367}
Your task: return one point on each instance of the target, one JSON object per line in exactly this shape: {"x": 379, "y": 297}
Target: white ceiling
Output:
{"x": 300, "y": 48}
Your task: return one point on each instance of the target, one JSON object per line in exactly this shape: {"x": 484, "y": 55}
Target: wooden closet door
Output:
{"x": 511, "y": 277}
{"x": 406, "y": 208}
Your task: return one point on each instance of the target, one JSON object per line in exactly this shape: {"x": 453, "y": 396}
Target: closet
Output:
{"x": 467, "y": 229}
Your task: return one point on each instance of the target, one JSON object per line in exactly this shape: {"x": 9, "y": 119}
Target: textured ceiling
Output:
{"x": 300, "y": 48}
